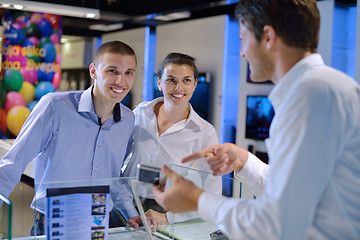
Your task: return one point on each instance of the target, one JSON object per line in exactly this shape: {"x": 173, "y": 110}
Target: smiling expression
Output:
{"x": 114, "y": 77}
{"x": 177, "y": 83}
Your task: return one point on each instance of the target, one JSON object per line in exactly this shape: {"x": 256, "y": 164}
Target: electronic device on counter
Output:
{"x": 218, "y": 235}
{"x": 149, "y": 174}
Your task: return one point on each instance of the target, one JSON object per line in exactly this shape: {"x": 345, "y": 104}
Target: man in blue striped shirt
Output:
{"x": 79, "y": 135}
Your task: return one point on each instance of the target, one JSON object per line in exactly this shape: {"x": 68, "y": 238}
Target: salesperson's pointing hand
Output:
{"x": 222, "y": 158}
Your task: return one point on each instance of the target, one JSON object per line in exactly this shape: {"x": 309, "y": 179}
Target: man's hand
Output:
{"x": 222, "y": 158}
{"x": 161, "y": 217}
{"x": 136, "y": 221}
{"x": 181, "y": 197}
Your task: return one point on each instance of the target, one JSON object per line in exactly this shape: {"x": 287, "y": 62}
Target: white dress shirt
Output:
{"x": 180, "y": 140}
{"x": 313, "y": 180}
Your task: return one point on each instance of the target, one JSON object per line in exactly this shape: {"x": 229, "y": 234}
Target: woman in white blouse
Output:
{"x": 168, "y": 129}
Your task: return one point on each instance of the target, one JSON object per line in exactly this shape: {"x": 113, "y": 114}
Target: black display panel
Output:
{"x": 259, "y": 114}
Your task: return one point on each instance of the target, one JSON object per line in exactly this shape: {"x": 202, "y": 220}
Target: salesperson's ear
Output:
{"x": 269, "y": 36}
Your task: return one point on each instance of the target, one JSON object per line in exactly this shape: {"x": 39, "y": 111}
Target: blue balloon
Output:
{"x": 43, "y": 88}
{"x": 32, "y": 104}
{"x": 45, "y": 27}
{"x": 15, "y": 36}
{"x": 50, "y": 52}
{"x": 27, "y": 42}
{"x": 45, "y": 76}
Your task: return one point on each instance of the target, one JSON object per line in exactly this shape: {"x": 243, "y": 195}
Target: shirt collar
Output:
{"x": 86, "y": 104}
{"x": 193, "y": 118}
{"x": 284, "y": 85}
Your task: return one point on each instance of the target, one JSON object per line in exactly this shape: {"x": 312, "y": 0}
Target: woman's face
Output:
{"x": 177, "y": 83}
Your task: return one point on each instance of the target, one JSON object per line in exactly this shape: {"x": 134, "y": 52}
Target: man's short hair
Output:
{"x": 116, "y": 47}
{"x": 296, "y": 22}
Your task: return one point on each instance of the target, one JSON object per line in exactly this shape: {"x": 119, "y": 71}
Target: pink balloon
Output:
{"x": 34, "y": 40}
{"x": 13, "y": 99}
{"x": 29, "y": 75}
{"x": 56, "y": 79}
{"x": 55, "y": 38}
{"x": 17, "y": 25}
{"x": 19, "y": 58}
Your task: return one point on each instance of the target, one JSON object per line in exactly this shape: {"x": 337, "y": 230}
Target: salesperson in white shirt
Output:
{"x": 310, "y": 190}
{"x": 168, "y": 129}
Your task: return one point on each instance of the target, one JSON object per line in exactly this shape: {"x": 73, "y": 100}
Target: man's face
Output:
{"x": 261, "y": 67}
{"x": 114, "y": 76}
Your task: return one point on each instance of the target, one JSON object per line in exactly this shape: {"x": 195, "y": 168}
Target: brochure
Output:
{"x": 80, "y": 213}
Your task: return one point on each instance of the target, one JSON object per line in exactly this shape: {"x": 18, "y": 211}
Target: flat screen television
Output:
{"x": 259, "y": 114}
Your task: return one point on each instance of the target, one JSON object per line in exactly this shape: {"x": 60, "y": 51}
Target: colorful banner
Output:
{"x": 30, "y": 65}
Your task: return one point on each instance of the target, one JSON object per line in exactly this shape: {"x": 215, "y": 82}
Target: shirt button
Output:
{"x": 95, "y": 169}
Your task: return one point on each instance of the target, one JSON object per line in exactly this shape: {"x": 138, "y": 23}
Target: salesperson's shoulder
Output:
{"x": 324, "y": 82}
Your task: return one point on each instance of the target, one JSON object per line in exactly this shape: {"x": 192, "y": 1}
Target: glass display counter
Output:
{"x": 5, "y": 218}
{"x": 81, "y": 209}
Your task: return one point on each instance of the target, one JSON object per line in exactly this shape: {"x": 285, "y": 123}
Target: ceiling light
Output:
{"x": 90, "y": 15}
{"x": 64, "y": 10}
{"x": 18, "y": 7}
{"x": 5, "y": 5}
{"x": 107, "y": 27}
{"x": 173, "y": 16}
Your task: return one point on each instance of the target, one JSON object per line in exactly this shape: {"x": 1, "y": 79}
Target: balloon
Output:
{"x": 14, "y": 54}
{"x": 32, "y": 104}
{"x": 30, "y": 76}
{"x": 2, "y": 120}
{"x": 45, "y": 27}
{"x": 13, "y": 99}
{"x": 16, "y": 118}
{"x": 53, "y": 19}
{"x": 45, "y": 76}
{"x": 56, "y": 79}
{"x": 36, "y": 18}
{"x": 34, "y": 40}
{"x": 43, "y": 88}
{"x": 27, "y": 42}
{"x": 15, "y": 34}
{"x": 43, "y": 41}
{"x": 13, "y": 80}
{"x": 55, "y": 39}
{"x": 27, "y": 92}
{"x": 50, "y": 52}
{"x": 32, "y": 29}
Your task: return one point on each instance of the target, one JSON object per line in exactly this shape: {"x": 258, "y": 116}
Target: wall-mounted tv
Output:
{"x": 259, "y": 114}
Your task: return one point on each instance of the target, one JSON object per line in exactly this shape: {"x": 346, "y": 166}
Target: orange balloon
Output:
{"x": 27, "y": 91}
{"x": 16, "y": 117}
{"x": 2, "y": 120}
